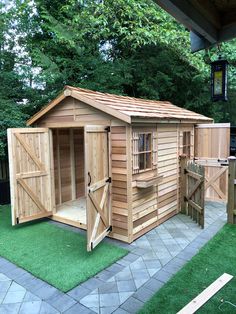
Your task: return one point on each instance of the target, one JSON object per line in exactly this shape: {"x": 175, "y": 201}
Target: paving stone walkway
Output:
{"x": 123, "y": 287}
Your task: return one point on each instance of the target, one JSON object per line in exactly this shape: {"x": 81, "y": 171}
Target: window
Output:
{"x": 144, "y": 151}
{"x": 187, "y": 143}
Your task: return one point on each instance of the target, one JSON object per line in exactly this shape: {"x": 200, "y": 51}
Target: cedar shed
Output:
{"x": 105, "y": 163}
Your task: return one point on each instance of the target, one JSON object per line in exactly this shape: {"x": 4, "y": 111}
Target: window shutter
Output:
{"x": 154, "y": 150}
{"x": 135, "y": 152}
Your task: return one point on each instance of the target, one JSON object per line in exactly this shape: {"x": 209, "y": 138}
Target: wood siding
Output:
{"x": 120, "y": 206}
{"x": 168, "y": 166}
{"x": 73, "y": 113}
{"x": 144, "y": 201}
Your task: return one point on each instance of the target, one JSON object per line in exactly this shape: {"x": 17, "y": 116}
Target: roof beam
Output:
{"x": 198, "y": 42}
{"x": 227, "y": 32}
{"x": 188, "y": 15}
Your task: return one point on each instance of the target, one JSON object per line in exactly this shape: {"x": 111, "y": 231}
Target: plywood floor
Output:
{"x": 73, "y": 210}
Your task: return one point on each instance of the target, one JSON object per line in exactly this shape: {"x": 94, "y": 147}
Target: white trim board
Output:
{"x": 206, "y": 294}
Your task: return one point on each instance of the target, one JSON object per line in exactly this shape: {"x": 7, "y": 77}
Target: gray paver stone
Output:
{"x": 91, "y": 301}
{"x": 10, "y": 308}
{"x": 132, "y": 305}
{"x": 4, "y": 286}
{"x": 153, "y": 284}
{"x": 47, "y": 309}
{"x": 14, "y": 297}
{"x": 78, "y": 292}
{"x": 77, "y": 309}
{"x": 61, "y": 302}
{"x": 92, "y": 283}
{"x": 46, "y": 291}
{"x": 126, "y": 286}
{"x": 162, "y": 276}
{"x": 30, "y": 307}
{"x": 143, "y": 294}
{"x": 107, "y": 310}
{"x": 108, "y": 300}
{"x": 30, "y": 297}
{"x": 108, "y": 287}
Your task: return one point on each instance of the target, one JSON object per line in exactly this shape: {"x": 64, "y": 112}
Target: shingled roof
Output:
{"x": 123, "y": 107}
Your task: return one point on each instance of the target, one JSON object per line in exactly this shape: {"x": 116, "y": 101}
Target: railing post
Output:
{"x": 183, "y": 183}
{"x": 231, "y": 190}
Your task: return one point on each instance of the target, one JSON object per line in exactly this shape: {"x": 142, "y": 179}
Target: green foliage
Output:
{"x": 129, "y": 47}
{"x": 11, "y": 87}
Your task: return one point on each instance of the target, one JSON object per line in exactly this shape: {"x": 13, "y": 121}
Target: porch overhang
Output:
{"x": 210, "y": 21}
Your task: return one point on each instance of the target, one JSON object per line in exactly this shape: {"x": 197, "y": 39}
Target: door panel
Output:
{"x": 32, "y": 194}
{"x": 98, "y": 173}
{"x": 212, "y": 141}
{"x": 212, "y": 149}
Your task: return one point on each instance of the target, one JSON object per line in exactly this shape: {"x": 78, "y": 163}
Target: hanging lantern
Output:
{"x": 219, "y": 80}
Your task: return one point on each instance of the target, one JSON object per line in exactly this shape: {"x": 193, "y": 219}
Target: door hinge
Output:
{"x": 108, "y": 129}
{"x": 91, "y": 246}
{"x": 185, "y": 199}
{"x": 108, "y": 180}
{"x": 17, "y": 220}
{"x": 109, "y": 228}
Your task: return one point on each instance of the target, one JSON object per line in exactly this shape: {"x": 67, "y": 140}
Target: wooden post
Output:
{"x": 231, "y": 189}
{"x": 183, "y": 185}
{"x": 202, "y": 199}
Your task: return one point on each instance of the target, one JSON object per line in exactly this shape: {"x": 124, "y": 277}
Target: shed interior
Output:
{"x": 68, "y": 153}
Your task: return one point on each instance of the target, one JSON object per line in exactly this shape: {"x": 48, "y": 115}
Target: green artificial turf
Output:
{"x": 218, "y": 256}
{"x": 53, "y": 254}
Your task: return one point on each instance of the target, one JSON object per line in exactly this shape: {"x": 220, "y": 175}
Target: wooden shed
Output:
{"x": 105, "y": 163}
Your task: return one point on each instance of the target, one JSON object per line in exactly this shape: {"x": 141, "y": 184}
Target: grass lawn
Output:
{"x": 53, "y": 254}
{"x": 215, "y": 258}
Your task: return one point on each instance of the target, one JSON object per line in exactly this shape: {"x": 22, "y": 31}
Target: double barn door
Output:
{"x": 32, "y": 178}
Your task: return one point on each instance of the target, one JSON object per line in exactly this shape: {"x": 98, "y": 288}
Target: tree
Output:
{"x": 11, "y": 88}
{"x": 129, "y": 47}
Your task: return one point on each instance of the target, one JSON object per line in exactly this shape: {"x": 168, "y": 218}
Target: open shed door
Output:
{"x": 212, "y": 149}
{"x": 32, "y": 194}
{"x": 98, "y": 173}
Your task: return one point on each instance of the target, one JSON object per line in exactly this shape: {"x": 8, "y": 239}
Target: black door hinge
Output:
{"x": 17, "y": 220}
{"x": 108, "y": 129}
{"x": 108, "y": 180}
{"x": 109, "y": 228}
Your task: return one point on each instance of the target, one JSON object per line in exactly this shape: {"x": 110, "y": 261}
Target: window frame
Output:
{"x": 186, "y": 147}
{"x": 144, "y": 152}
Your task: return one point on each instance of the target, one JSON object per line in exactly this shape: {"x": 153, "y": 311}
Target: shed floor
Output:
{"x": 73, "y": 210}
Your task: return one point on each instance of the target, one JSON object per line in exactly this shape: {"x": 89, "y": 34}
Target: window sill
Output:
{"x": 148, "y": 181}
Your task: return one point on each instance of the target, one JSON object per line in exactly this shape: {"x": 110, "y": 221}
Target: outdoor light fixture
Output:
{"x": 219, "y": 80}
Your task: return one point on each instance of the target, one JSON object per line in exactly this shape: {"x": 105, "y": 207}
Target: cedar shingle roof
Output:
{"x": 124, "y": 107}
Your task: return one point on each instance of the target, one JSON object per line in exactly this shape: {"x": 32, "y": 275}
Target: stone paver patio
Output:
{"x": 123, "y": 287}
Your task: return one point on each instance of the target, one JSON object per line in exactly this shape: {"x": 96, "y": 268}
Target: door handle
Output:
{"x": 90, "y": 179}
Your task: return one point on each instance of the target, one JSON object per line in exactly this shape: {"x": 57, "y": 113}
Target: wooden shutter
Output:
{"x": 135, "y": 158}
{"x": 32, "y": 192}
{"x": 98, "y": 173}
{"x": 154, "y": 150}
